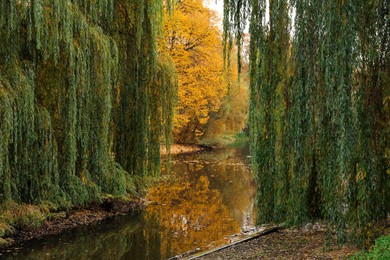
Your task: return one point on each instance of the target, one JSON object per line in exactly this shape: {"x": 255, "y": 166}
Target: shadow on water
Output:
{"x": 211, "y": 198}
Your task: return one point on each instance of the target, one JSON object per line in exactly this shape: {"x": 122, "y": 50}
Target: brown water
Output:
{"x": 211, "y": 198}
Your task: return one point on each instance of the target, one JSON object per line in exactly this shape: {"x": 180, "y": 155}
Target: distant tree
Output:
{"x": 192, "y": 38}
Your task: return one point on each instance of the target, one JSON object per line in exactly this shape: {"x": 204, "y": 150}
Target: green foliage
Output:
{"x": 381, "y": 250}
{"x": 319, "y": 121}
{"x": 164, "y": 96}
{"x": 226, "y": 140}
{"x": 225, "y": 125}
{"x": 81, "y": 97}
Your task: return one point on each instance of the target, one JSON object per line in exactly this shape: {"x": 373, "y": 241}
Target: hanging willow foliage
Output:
{"x": 164, "y": 100}
{"x": 319, "y": 109}
{"x": 77, "y": 97}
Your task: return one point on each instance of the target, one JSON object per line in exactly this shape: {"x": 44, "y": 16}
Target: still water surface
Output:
{"x": 211, "y": 198}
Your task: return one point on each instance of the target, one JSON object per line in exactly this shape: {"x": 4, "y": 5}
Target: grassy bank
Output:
{"x": 20, "y": 221}
{"x": 226, "y": 140}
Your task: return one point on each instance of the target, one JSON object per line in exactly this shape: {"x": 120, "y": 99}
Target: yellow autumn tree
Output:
{"x": 232, "y": 116}
{"x": 192, "y": 38}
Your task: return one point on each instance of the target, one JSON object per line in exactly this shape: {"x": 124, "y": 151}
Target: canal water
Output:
{"x": 210, "y": 198}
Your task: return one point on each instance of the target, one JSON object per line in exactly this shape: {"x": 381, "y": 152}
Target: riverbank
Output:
{"x": 177, "y": 149}
{"x": 53, "y": 223}
{"x": 23, "y": 222}
{"x": 207, "y": 144}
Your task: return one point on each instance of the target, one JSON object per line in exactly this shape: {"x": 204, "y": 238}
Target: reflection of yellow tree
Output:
{"x": 232, "y": 177}
{"x": 190, "y": 212}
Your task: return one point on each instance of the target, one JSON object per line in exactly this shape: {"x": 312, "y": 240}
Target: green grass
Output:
{"x": 22, "y": 215}
{"x": 226, "y": 140}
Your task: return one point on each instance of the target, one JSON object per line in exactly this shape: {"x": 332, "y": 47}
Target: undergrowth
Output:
{"x": 381, "y": 250}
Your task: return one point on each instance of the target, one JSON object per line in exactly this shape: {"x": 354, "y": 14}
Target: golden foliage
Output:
{"x": 192, "y": 212}
{"x": 192, "y": 38}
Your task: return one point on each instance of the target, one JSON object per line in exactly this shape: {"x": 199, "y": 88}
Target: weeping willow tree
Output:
{"x": 319, "y": 120}
{"x": 164, "y": 100}
{"x": 371, "y": 190}
{"x": 77, "y": 98}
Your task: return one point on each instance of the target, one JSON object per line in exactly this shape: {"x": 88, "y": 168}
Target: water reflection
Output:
{"x": 229, "y": 173}
{"x": 118, "y": 238}
{"x": 190, "y": 215}
{"x": 211, "y": 198}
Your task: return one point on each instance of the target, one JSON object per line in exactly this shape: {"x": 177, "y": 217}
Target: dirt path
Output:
{"x": 286, "y": 244}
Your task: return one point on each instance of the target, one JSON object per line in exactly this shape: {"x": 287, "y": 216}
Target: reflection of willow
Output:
{"x": 113, "y": 240}
{"x": 191, "y": 215}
